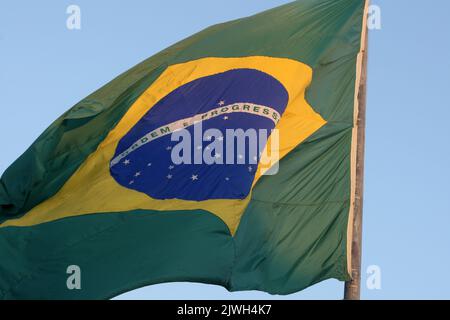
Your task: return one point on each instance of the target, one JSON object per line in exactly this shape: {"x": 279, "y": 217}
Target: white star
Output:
{"x": 250, "y": 169}
{"x": 208, "y": 138}
{"x": 126, "y": 162}
{"x": 171, "y": 167}
{"x": 169, "y": 148}
{"x": 137, "y": 174}
{"x": 217, "y": 156}
{"x": 194, "y": 177}
{"x": 132, "y": 181}
{"x": 225, "y": 118}
{"x": 208, "y": 148}
{"x": 199, "y": 147}
{"x": 240, "y": 156}
{"x": 149, "y": 165}
{"x": 221, "y": 103}
{"x": 169, "y": 176}
{"x": 220, "y": 138}
{"x": 227, "y": 179}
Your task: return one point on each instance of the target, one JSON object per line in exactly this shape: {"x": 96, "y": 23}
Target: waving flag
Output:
{"x": 100, "y": 189}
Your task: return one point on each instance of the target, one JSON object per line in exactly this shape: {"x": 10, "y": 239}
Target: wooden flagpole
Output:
{"x": 353, "y": 287}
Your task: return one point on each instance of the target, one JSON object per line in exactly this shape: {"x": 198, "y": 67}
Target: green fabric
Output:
{"x": 115, "y": 252}
{"x": 293, "y": 233}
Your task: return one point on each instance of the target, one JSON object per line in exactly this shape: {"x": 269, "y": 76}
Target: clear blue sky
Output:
{"x": 407, "y": 200}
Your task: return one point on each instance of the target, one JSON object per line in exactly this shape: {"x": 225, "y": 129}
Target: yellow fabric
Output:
{"x": 91, "y": 189}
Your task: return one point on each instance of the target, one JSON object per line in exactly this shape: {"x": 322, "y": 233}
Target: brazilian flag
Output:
{"x": 99, "y": 193}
